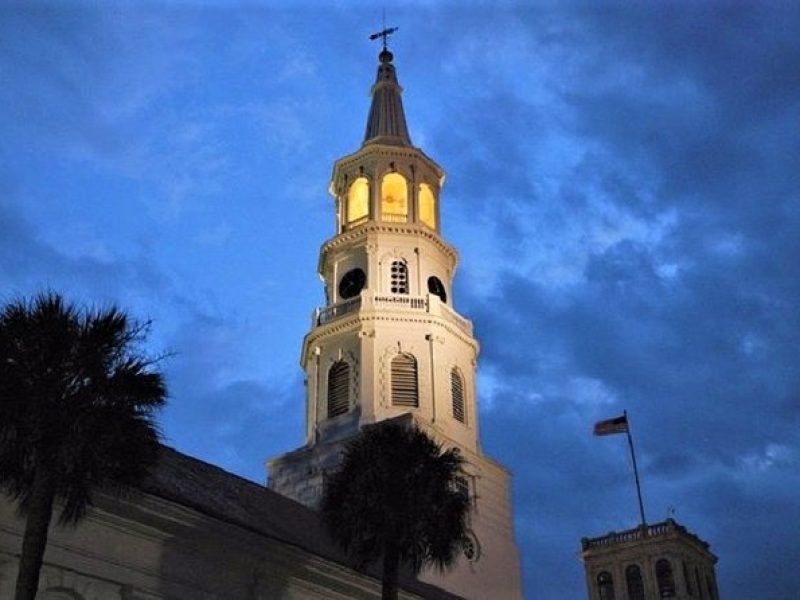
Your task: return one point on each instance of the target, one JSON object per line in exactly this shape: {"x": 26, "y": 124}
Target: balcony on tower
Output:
{"x": 366, "y": 302}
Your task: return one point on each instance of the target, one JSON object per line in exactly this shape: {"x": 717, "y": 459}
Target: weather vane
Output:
{"x": 387, "y": 31}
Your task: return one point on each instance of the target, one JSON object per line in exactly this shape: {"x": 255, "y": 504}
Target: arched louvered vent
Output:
{"x": 338, "y": 389}
{"x": 404, "y": 381}
{"x": 457, "y": 392}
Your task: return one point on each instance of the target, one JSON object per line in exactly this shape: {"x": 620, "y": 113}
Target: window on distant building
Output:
{"x": 633, "y": 579}
{"x": 605, "y": 586}
{"x": 665, "y": 579}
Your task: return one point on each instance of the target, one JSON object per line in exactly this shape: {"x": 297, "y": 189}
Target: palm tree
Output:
{"x": 77, "y": 401}
{"x": 396, "y": 497}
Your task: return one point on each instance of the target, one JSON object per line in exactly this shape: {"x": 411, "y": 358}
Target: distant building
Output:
{"x": 663, "y": 560}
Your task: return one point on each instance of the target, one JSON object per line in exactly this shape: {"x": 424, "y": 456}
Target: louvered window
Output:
{"x": 338, "y": 389}
{"x": 633, "y": 577}
{"x": 404, "y": 381}
{"x": 664, "y": 578}
{"x": 399, "y": 278}
{"x": 457, "y": 392}
{"x": 605, "y": 586}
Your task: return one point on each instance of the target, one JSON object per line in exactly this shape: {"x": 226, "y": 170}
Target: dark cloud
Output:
{"x": 29, "y": 265}
{"x": 215, "y": 413}
{"x": 683, "y": 111}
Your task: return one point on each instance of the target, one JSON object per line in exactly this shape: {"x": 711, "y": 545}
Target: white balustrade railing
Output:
{"x": 401, "y": 300}
{"x": 429, "y": 304}
{"x": 334, "y": 311}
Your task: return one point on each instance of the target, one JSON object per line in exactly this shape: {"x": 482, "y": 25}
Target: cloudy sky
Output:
{"x": 622, "y": 187}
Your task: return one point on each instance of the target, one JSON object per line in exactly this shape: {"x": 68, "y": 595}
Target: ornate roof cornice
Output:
{"x": 372, "y": 227}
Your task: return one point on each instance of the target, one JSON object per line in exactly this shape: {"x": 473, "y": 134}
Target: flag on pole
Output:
{"x": 612, "y": 426}
{"x": 620, "y": 425}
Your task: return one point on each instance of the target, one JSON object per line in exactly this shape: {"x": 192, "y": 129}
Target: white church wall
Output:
{"x": 147, "y": 548}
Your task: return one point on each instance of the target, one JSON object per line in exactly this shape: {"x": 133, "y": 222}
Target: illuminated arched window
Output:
{"x": 394, "y": 198}
{"x": 664, "y": 579}
{"x": 605, "y": 586}
{"x": 404, "y": 381}
{"x": 633, "y": 579}
{"x": 338, "y": 389}
{"x": 358, "y": 201}
{"x": 427, "y": 205}
{"x": 457, "y": 393}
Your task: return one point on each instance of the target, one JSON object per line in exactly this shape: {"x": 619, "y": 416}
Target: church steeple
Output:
{"x": 387, "y": 121}
{"x": 389, "y": 343}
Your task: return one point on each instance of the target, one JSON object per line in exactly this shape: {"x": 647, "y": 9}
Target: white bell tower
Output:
{"x": 389, "y": 342}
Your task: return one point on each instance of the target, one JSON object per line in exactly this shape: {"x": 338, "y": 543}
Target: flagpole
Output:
{"x": 635, "y": 470}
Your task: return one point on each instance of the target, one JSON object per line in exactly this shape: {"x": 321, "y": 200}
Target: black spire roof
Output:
{"x": 387, "y": 121}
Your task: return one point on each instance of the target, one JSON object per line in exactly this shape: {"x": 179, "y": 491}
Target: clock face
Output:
{"x": 352, "y": 283}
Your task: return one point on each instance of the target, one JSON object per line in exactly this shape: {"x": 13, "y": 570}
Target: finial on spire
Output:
{"x": 385, "y": 33}
{"x": 386, "y": 123}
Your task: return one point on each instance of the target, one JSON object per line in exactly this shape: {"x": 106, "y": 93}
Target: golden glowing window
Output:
{"x": 394, "y": 198}
{"x": 358, "y": 200}
{"x": 427, "y": 205}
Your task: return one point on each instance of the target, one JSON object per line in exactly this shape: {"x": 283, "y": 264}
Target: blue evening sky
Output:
{"x": 622, "y": 187}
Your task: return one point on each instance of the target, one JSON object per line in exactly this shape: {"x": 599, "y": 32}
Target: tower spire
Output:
{"x": 387, "y": 121}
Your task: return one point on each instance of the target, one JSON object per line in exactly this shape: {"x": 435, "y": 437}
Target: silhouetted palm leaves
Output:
{"x": 395, "y": 497}
{"x": 76, "y": 413}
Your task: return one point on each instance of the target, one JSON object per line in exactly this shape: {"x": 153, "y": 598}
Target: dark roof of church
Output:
{"x": 216, "y": 493}
{"x": 387, "y": 121}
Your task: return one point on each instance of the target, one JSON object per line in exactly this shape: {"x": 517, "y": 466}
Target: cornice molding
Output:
{"x": 356, "y": 320}
{"x": 360, "y": 233}
{"x": 385, "y": 151}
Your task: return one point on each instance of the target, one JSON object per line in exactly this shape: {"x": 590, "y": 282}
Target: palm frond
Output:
{"x": 396, "y": 488}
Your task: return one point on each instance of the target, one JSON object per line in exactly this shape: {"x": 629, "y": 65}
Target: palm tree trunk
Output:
{"x": 39, "y": 512}
{"x": 391, "y": 567}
